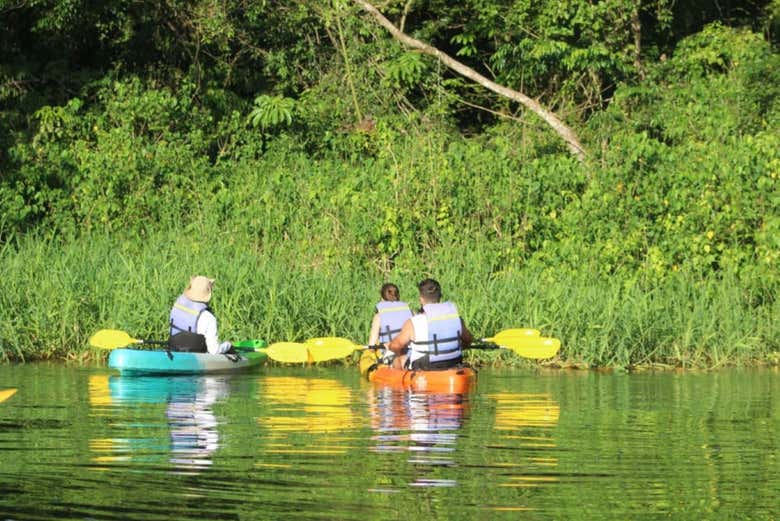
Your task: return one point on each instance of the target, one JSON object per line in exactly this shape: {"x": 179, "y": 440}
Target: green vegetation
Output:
{"x": 59, "y": 294}
{"x": 302, "y": 157}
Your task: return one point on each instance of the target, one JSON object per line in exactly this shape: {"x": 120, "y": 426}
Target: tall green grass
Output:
{"x": 55, "y": 294}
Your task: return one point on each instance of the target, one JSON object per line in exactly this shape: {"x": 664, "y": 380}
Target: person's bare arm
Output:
{"x": 466, "y": 337}
{"x": 373, "y": 336}
{"x": 399, "y": 343}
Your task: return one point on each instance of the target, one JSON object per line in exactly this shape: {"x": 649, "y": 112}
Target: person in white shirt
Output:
{"x": 193, "y": 326}
{"x": 433, "y": 339}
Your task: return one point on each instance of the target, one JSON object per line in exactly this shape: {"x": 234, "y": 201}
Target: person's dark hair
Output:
{"x": 390, "y": 292}
{"x": 430, "y": 290}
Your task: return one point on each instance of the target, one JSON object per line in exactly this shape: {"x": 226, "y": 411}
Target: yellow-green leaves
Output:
{"x": 272, "y": 111}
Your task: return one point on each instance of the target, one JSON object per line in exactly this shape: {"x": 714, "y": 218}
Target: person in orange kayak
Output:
{"x": 390, "y": 314}
{"x": 434, "y": 338}
{"x": 193, "y": 324}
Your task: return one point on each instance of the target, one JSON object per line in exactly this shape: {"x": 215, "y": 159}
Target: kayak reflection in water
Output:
{"x": 424, "y": 424}
{"x": 418, "y": 422}
{"x": 193, "y": 426}
{"x": 193, "y": 433}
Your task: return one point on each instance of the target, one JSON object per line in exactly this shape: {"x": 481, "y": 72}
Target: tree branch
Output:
{"x": 566, "y": 133}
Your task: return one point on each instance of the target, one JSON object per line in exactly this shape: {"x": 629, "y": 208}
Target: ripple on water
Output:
{"x": 321, "y": 444}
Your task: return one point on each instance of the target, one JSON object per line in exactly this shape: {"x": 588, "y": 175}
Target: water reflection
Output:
{"x": 524, "y": 446}
{"x": 425, "y": 425}
{"x": 193, "y": 426}
{"x": 186, "y": 405}
{"x": 527, "y": 421}
{"x": 301, "y": 407}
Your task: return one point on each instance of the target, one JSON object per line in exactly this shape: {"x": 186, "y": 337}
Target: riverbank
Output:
{"x": 58, "y": 292}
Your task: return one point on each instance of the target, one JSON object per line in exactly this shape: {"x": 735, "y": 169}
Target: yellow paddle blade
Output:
{"x": 532, "y": 347}
{"x": 323, "y": 353}
{"x": 288, "y": 352}
{"x": 111, "y": 339}
{"x": 334, "y": 342}
{"x": 330, "y": 348}
{"x": 509, "y": 334}
{"x": 6, "y": 393}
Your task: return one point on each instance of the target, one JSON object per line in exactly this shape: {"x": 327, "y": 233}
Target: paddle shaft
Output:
{"x": 482, "y": 344}
{"x": 524, "y": 342}
{"x": 286, "y": 352}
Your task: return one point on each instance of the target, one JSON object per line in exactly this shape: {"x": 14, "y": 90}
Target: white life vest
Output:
{"x": 436, "y": 333}
{"x": 392, "y": 316}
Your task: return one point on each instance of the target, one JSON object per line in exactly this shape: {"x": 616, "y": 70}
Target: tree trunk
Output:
{"x": 636, "y": 28}
{"x": 566, "y": 133}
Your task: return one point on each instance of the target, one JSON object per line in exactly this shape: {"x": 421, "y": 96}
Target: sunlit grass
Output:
{"x": 55, "y": 294}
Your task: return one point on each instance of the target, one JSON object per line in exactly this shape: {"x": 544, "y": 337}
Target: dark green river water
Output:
{"x": 319, "y": 443}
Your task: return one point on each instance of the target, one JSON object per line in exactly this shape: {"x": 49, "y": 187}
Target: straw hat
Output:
{"x": 199, "y": 289}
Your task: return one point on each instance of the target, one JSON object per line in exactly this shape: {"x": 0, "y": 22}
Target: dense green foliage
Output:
{"x": 299, "y": 154}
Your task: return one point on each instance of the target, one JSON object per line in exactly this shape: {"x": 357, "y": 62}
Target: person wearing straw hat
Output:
{"x": 193, "y": 324}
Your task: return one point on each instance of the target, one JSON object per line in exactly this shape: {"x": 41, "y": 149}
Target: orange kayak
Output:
{"x": 454, "y": 380}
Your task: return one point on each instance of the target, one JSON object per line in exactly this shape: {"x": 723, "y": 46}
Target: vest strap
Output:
{"x": 194, "y": 312}
{"x": 448, "y": 316}
{"x": 388, "y": 333}
{"x": 436, "y": 341}
{"x": 391, "y": 309}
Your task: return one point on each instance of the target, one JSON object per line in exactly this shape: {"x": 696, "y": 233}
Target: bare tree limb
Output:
{"x": 566, "y": 133}
{"x": 407, "y": 8}
{"x": 636, "y": 28}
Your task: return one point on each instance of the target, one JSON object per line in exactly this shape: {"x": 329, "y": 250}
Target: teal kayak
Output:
{"x": 147, "y": 362}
